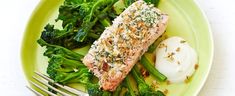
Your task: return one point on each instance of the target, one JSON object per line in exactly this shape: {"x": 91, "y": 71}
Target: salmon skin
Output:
{"x": 121, "y": 45}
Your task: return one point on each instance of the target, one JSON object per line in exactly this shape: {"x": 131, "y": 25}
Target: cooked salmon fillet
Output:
{"x": 121, "y": 45}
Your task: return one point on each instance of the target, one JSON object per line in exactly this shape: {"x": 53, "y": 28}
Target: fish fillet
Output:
{"x": 121, "y": 45}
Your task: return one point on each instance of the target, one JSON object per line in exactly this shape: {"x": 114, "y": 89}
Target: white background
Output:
{"x": 14, "y": 15}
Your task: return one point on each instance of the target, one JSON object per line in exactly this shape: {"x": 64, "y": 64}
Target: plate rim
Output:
{"x": 212, "y": 47}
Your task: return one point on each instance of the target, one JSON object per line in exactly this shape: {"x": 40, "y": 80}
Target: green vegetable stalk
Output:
{"x": 55, "y": 49}
{"x": 150, "y": 67}
{"x": 144, "y": 89}
{"x": 127, "y": 83}
{"x": 118, "y": 91}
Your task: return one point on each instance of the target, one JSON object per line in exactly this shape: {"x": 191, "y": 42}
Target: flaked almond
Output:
{"x": 196, "y": 66}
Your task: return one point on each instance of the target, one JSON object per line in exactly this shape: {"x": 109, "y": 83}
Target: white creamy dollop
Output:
{"x": 175, "y": 59}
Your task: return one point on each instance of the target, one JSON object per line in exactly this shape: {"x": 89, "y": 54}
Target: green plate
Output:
{"x": 186, "y": 20}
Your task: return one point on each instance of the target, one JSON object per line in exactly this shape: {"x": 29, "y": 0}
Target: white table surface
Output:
{"x": 14, "y": 15}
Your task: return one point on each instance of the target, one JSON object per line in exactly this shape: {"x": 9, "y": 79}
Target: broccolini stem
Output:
{"x": 128, "y": 84}
{"x": 75, "y": 75}
{"x": 147, "y": 64}
{"x": 105, "y": 22}
{"x": 118, "y": 91}
{"x": 144, "y": 89}
{"x": 98, "y": 3}
{"x": 69, "y": 62}
{"x": 61, "y": 50}
{"x": 93, "y": 35}
{"x": 152, "y": 47}
{"x": 137, "y": 75}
